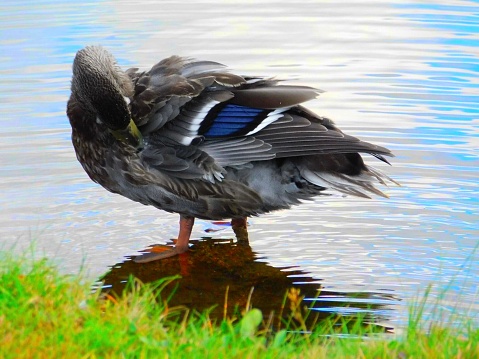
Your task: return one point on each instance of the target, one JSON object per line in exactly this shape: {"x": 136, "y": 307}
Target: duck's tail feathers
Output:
{"x": 359, "y": 182}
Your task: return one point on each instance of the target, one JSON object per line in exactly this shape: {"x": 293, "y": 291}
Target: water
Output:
{"x": 400, "y": 74}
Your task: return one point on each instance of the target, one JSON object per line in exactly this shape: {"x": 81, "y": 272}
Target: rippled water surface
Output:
{"x": 401, "y": 74}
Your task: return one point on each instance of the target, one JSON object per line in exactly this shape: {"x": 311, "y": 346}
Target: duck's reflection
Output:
{"x": 214, "y": 268}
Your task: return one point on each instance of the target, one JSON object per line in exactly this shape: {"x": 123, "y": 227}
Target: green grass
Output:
{"x": 44, "y": 314}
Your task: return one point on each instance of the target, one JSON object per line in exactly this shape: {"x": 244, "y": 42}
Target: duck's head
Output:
{"x": 102, "y": 88}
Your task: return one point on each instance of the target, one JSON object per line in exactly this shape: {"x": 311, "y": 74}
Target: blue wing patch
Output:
{"x": 225, "y": 120}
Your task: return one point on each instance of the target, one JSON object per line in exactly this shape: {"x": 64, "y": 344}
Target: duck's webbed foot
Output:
{"x": 240, "y": 227}
{"x": 181, "y": 246}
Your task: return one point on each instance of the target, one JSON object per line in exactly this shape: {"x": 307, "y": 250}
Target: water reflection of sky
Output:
{"x": 412, "y": 84}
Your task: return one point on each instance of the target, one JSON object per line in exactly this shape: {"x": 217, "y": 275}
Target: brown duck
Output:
{"x": 192, "y": 138}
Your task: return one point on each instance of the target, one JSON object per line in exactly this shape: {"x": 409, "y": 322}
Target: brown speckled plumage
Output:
{"x": 190, "y": 137}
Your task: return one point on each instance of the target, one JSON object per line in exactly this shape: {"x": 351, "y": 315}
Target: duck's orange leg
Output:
{"x": 186, "y": 226}
{"x": 181, "y": 246}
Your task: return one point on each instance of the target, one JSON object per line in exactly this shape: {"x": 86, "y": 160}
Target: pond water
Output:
{"x": 401, "y": 74}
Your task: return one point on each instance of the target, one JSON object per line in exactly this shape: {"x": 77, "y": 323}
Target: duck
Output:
{"x": 191, "y": 137}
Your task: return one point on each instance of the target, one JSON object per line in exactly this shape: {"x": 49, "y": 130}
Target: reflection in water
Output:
{"x": 217, "y": 270}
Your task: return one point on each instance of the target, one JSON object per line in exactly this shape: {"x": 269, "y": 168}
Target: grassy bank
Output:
{"x": 47, "y": 315}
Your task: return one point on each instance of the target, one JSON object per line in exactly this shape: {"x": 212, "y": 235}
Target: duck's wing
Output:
{"x": 264, "y": 120}
{"x": 188, "y": 102}
{"x": 211, "y": 118}
{"x": 297, "y": 132}
{"x": 161, "y": 93}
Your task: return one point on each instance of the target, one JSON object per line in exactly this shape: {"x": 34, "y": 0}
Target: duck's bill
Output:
{"x": 131, "y": 135}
